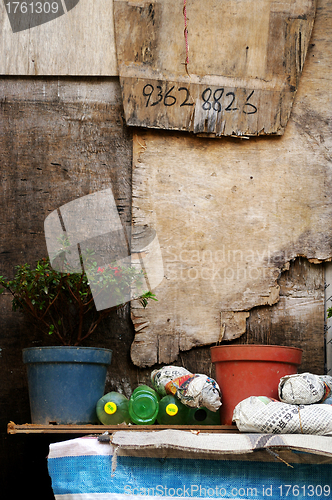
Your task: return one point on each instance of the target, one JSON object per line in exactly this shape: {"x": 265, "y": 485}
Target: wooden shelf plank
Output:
{"x": 286, "y": 455}
{"x": 13, "y": 428}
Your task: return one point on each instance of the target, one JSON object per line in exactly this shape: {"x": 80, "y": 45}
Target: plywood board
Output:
{"x": 231, "y": 215}
{"x": 226, "y": 67}
{"x": 79, "y": 41}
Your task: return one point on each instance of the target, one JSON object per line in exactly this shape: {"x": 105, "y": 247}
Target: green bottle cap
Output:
{"x": 143, "y": 405}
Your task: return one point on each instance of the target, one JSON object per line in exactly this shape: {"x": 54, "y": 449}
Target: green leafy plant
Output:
{"x": 61, "y": 303}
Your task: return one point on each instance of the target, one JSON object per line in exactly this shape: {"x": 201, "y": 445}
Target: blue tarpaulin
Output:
{"x": 84, "y": 469}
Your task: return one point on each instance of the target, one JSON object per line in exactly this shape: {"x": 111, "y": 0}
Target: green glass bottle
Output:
{"x": 203, "y": 416}
{"x": 113, "y": 408}
{"x": 172, "y": 411}
{"x": 144, "y": 405}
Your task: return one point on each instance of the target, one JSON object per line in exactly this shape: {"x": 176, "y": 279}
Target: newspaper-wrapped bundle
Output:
{"x": 304, "y": 388}
{"x": 160, "y": 378}
{"x": 194, "y": 390}
{"x": 263, "y": 414}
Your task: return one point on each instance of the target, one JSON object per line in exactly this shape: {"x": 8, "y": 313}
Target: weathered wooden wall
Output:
{"x": 231, "y": 215}
{"x": 297, "y": 319}
{"x": 61, "y": 138}
{"x": 233, "y": 71}
{"x": 79, "y": 42}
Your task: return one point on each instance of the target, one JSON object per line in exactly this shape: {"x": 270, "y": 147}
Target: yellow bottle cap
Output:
{"x": 110, "y": 408}
{"x": 171, "y": 409}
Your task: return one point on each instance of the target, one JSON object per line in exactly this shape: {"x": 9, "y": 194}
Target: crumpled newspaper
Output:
{"x": 304, "y": 388}
{"x": 266, "y": 415}
{"x": 160, "y": 378}
{"x": 194, "y": 390}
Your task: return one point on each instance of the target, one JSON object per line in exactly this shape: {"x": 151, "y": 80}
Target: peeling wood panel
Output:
{"x": 245, "y": 61}
{"x": 297, "y": 320}
{"x": 233, "y": 324}
{"x": 79, "y": 42}
{"x": 231, "y": 215}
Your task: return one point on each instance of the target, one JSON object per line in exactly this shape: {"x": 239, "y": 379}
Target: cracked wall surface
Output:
{"x": 232, "y": 214}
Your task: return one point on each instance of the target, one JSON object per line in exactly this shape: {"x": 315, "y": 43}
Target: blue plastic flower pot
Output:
{"x": 65, "y": 383}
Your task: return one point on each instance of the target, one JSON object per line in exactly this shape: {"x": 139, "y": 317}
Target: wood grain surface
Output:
{"x": 79, "y": 42}
{"x": 232, "y": 215}
{"x": 236, "y": 75}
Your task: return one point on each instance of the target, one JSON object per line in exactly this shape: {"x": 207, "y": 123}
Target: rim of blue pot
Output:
{"x": 67, "y": 354}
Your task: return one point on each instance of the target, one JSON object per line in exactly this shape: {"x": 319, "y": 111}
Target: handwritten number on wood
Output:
{"x": 160, "y": 96}
{"x": 212, "y": 100}
{"x": 216, "y": 100}
{"x": 148, "y": 93}
{"x": 251, "y": 105}
{"x": 185, "y": 102}
{"x": 169, "y": 100}
{"x": 206, "y": 105}
{"x": 229, "y": 108}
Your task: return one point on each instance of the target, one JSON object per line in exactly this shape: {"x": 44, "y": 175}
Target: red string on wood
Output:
{"x": 186, "y": 34}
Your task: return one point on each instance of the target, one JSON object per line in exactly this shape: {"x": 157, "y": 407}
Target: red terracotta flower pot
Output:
{"x": 244, "y": 370}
